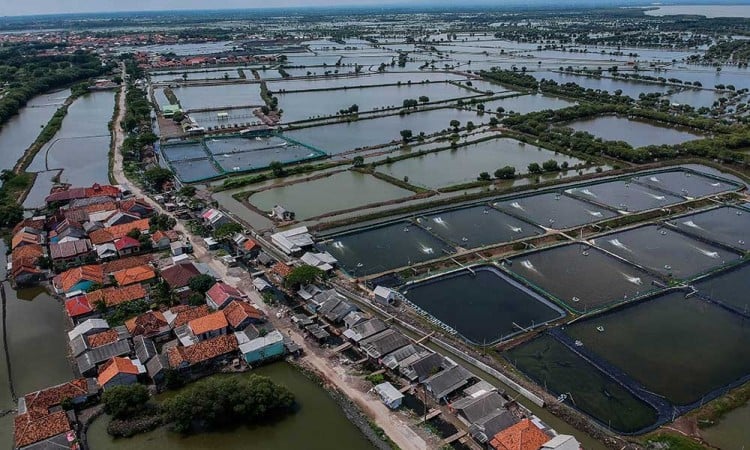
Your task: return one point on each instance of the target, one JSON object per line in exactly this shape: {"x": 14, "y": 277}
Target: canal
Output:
{"x": 319, "y": 424}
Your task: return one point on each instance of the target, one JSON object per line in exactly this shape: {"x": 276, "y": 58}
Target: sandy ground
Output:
{"x": 394, "y": 427}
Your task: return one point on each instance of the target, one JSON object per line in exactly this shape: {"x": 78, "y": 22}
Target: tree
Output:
{"x": 135, "y": 233}
{"x": 406, "y": 135}
{"x": 201, "y": 283}
{"x": 358, "y": 161}
{"x": 550, "y": 166}
{"x": 303, "y": 274}
{"x": 494, "y": 122}
{"x": 227, "y": 230}
{"x": 534, "y": 168}
{"x": 196, "y": 299}
{"x": 424, "y": 99}
{"x": 277, "y": 168}
{"x": 157, "y": 176}
{"x": 161, "y": 222}
{"x": 484, "y": 176}
{"x": 186, "y": 191}
{"x": 505, "y": 173}
{"x": 123, "y": 402}
{"x": 455, "y": 124}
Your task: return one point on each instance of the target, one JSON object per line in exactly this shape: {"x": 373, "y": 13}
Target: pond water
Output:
{"x": 81, "y": 146}
{"x": 624, "y": 196}
{"x": 524, "y": 104}
{"x": 732, "y": 431}
{"x": 375, "y": 250}
{"x": 234, "y": 117}
{"x": 635, "y": 133}
{"x": 729, "y": 287}
{"x": 319, "y": 424}
{"x": 553, "y": 366}
{"x": 465, "y": 163}
{"x": 665, "y": 251}
{"x": 307, "y": 105}
{"x": 239, "y": 154}
{"x": 697, "y": 98}
{"x": 582, "y": 277}
{"x": 340, "y": 137}
{"x": 362, "y": 80}
{"x": 183, "y": 150}
{"x": 483, "y": 305}
{"x": 726, "y": 225}
{"x": 21, "y": 130}
{"x": 657, "y": 342}
{"x": 194, "y": 170}
{"x": 206, "y": 74}
{"x": 710, "y": 11}
{"x": 553, "y": 210}
{"x": 226, "y": 95}
{"x": 341, "y": 191}
{"x": 477, "y": 226}
{"x": 686, "y": 183}
{"x": 630, "y": 88}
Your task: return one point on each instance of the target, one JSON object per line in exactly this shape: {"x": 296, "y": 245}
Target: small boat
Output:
{"x": 576, "y": 299}
{"x": 600, "y": 329}
{"x": 578, "y": 343}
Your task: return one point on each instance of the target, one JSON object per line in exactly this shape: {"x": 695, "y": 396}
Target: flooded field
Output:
{"x": 659, "y": 343}
{"x": 686, "y": 184}
{"x": 624, "y": 196}
{"x": 555, "y": 211}
{"x": 630, "y": 88}
{"x": 317, "y": 414}
{"x": 635, "y": 133}
{"x": 413, "y": 78}
{"x": 582, "y": 277}
{"x": 21, "y": 130}
{"x": 665, "y": 251}
{"x": 464, "y": 164}
{"x": 477, "y": 226}
{"x": 341, "y": 191}
{"x": 524, "y": 104}
{"x": 484, "y": 305}
{"x": 380, "y": 249}
{"x": 730, "y": 287}
{"x": 307, "y": 105}
{"x": 552, "y": 365}
{"x": 726, "y": 225}
{"x": 338, "y": 138}
{"x": 226, "y": 95}
{"x": 223, "y": 73}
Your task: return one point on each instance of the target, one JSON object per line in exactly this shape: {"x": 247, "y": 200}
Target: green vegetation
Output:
{"x": 124, "y": 402}
{"x": 675, "y": 442}
{"x": 13, "y": 188}
{"x": 201, "y": 283}
{"x": 157, "y": 176}
{"x": 303, "y": 274}
{"x": 226, "y": 401}
{"x": 226, "y": 231}
{"x": 716, "y": 409}
{"x": 161, "y": 222}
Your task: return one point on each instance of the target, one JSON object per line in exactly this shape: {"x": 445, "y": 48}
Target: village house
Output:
{"x": 221, "y": 294}
{"x": 203, "y": 356}
{"x": 71, "y": 253}
{"x": 79, "y": 308}
{"x": 127, "y": 246}
{"x": 209, "y": 326}
{"x": 241, "y": 315}
{"x": 120, "y": 372}
{"x": 161, "y": 240}
{"x": 178, "y": 278}
{"x": 180, "y": 315}
{"x": 141, "y": 274}
{"x": 89, "y": 361}
{"x": 281, "y": 214}
{"x": 263, "y": 347}
{"x": 48, "y": 401}
{"x": 27, "y": 236}
{"x": 292, "y": 241}
{"x": 151, "y": 324}
{"x": 44, "y": 432}
{"x": 112, "y": 297}
{"x": 524, "y": 435}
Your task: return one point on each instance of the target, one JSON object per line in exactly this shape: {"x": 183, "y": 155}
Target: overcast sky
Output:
{"x": 15, "y": 7}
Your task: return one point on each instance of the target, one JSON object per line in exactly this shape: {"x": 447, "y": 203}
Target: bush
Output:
{"x": 124, "y": 402}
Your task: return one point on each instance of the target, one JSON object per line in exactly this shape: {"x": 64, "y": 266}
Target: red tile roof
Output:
{"x": 24, "y": 237}
{"x": 37, "y": 224}
{"x": 39, "y": 403}
{"x": 138, "y": 274}
{"x": 202, "y": 351}
{"x": 179, "y": 275}
{"x": 522, "y": 436}
{"x": 249, "y": 244}
{"x": 70, "y": 278}
{"x": 114, "y": 367}
{"x": 114, "y": 296}
{"x": 74, "y": 193}
{"x": 169, "y": 234}
{"x": 78, "y": 306}
{"x": 147, "y": 324}
{"x": 126, "y": 242}
{"x": 102, "y": 338}
{"x": 282, "y": 269}
{"x": 126, "y": 263}
{"x": 238, "y": 311}
{"x": 110, "y": 234}
{"x": 185, "y": 314}
{"x": 30, "y": 431}
{"x": 211, "y": 322}
{"x": 221, "y": 293}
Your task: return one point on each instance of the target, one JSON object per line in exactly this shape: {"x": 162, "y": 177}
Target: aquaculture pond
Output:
{"x": 183, "y": 150}
{"x": 194, "y": 170}
{"x": 308, "y": 105}
{"x": 686, "y": 183}
{"x": 383, "y": 248}
{"x": 240, "y": 154}
{"x": 363, "y": 80}
{"x": 227, "y": 117}
{"x": 340, "y": 137}
{"x": 624, "y": 196}
{"x": 731, "y": 431}
{"x": 665, "y": 251}
{"x": 341, "y": 191}
{"x": 635, "y": 133}
{"x": 728, "y": 287}
{"x": 482, "y": 304}
{"x": 556, "y": 211}
{"x": 524, "y": 104}
{"x": 219, "y": 96}
{"x": 21, "y": 130}
{"x": 680, "y": 348}
{"x": 554, "y": 366}
{"x": 465, "y": 163}
{"x": 582, "y": 277}
{"x": 726, "y": 225}
{"x": 317, "y": 415}
{"x": 477, "y": 226}
{"x": 630, "y": 88}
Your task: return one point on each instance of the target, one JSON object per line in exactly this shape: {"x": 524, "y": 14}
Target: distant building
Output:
{"x": 280, "y": 213}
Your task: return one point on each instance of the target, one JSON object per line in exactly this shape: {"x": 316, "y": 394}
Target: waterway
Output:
{"x": 319, "y": 424}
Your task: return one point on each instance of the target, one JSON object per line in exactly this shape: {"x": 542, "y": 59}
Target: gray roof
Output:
{"x": 78, "y": 345}
{"x": 447, "y": 381}
{"x": 336, "y": 309}
{"x": 156, "y": 365}
{"x": 485, "y": 428}
{"x": 423, "y": 368}
{"x": 475, "y": 408}
{"x": 316, "y": 331}
{"x": 393, "y": 360}
{"x": 383, "y": 343}
{"x": 353, "y": 318}
{"x": 368, "y": 328}
{"x": 98, "y": 355}
{"x": 302, "y": 319}
{"x": 144, "y": 348}
{"x": 388, "y": 392}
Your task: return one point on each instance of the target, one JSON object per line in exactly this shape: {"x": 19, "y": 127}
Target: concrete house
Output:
{"x": 221, "y": 294}
{"x": 120, "y": 372}
{"x": 210, "y": 326}
{"x": 389, "y": 395}
{"x": 263, "y": 348}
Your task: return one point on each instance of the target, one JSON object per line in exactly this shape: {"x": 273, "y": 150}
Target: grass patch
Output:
{"x": 674, "y": 442}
